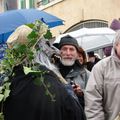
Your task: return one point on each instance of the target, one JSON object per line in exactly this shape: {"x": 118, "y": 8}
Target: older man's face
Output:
{"x": 117, "y": 47}
{"x": 68, "y": 55}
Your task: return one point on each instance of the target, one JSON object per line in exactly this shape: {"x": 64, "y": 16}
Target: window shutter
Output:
{"x": 31, "y": 3}
{"x": 44, "y": 2}
{"x": 23, "y": 4}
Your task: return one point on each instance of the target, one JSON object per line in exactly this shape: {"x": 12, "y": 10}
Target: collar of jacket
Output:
{"x": 77, "y": 69}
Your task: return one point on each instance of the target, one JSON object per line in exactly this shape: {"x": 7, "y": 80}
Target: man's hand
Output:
{"x": 77, "y": 90}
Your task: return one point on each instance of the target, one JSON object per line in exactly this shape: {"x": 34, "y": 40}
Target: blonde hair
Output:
{"x": 19, "y": 36}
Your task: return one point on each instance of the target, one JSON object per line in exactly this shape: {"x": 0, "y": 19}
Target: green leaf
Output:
{"x": 33, "y": 34}
{"x": 1, "y": 97}
{"x": 1, "y": 116}
{"x": 20, "y": 48}
{"x": 1, "y": 89}
{"x": 30, "y": 55}
{"x": 41, "y": 78}
{"x": 48, "y": 85}
{"x": 27, "y": 70}
{"x": 6, "y": 94}
{"x": 7, "y": 85}
{"x": 11, "y": 62}
{"x": 46, "y": 92}
{"x": 31, "y": 25}
{"x": 48, "y": 35}
{"x": 37, "y": 82}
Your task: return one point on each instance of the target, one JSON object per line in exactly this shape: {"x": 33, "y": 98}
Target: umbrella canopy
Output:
{"x": 92, "y": 38}
{"x": 10, "y": 20}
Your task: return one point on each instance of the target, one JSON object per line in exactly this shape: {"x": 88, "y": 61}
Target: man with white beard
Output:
{"x": 70, "y": 68}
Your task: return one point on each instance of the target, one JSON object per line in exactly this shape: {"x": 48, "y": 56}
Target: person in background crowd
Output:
{"x": 107, "y": 51}
{"x": 38, "y": 93}
{"x": 70, "y": 67}
{"x": 92, "y": 60}
{"x": 83, "y": 59}
{"x": 103, "y": 87}
{"x": 82, "y": 56}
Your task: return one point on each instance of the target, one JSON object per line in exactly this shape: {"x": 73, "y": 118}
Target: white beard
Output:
{"x": 67, "y": 62}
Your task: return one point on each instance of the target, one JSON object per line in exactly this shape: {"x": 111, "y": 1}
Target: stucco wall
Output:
{"x": 74, "y": 11}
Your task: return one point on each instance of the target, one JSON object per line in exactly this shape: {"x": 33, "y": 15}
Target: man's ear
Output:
{"x": 117, "y": 44}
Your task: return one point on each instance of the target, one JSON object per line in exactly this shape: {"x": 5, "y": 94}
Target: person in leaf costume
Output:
{"x": 37, "y": 91}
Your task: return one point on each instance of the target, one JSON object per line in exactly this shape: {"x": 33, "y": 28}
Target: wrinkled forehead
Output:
{"x": 68, "y": 47}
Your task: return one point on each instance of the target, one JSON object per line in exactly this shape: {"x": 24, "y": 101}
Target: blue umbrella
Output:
{"x": 10, "y": 20}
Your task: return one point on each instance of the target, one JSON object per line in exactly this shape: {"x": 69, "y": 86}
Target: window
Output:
{"x": 23, "y": 4}
{"x": 88, "y": 24}
{"x": 32, "y": 3}
{"x": 44, "y": 2}
{"x": 93, "y": 24}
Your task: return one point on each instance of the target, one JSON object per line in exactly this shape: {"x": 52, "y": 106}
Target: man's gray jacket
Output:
{"x": 103, "y": 88}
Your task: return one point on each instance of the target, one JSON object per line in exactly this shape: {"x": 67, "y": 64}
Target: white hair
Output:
{"x": 42, "y": 59}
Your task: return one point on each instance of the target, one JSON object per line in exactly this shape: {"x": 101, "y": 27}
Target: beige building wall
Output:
{"x": 74, "y": 11}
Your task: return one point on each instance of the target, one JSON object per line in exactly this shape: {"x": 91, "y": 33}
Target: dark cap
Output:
{"x": 91, "y": 54}
{"x": 68, "y": 40}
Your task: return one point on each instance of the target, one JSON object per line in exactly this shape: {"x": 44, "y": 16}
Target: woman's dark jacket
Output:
{"x": 29, "y": 101}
